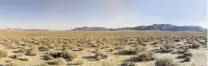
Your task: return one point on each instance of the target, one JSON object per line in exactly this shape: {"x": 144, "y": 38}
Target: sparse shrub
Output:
{"x": 128, "y": 64}
{"x": 101, "y": 55}
{"x": 78, "y": 62}
{"x": 23, "y": 59}
{"x": 182, "y": 50}
{"x": 108, "y": 63}
{"x": 134, "y": 50}
{"x": 167, "y": 47}
{"x": 146, "y": 56}
{"x": 187, "y": 55}
{"x": 3, "y": 53}
{"x": 43, "y": 64}
{"x": 31, "y": 53}
{"x": 129, "y": 51}
{"x": 119, "y": 47}
{"x": 68, "y": 55}
{"x": 16, "y": 56}
{"x": 58, "y": 61}
{"x": 21, "y": 50}
{"x": 48, "y": 57}
{"x": 10, "y": 64}
{"x": 195, "y": 44}
{"x": 140, "y": 48}
{"x": 43, "y": 48}
{"x": 166, "y": 62}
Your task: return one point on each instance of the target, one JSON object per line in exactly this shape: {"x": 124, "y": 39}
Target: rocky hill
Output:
{"x": 162, "y": 27}
{"x": 90, "y": 29}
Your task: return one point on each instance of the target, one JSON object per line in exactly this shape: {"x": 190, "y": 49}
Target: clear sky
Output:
{"x": 68, "y": 14}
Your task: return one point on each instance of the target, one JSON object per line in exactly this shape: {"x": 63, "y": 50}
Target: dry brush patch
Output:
{"x": 65, "y": 49}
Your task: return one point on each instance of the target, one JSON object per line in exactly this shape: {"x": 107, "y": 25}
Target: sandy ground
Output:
{"x": 199, "y": 58}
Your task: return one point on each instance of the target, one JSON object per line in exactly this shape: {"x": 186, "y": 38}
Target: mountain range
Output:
{"x": 162, "y": 27}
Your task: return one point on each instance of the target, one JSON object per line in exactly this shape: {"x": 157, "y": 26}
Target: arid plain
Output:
{"x": 103, "y": 48}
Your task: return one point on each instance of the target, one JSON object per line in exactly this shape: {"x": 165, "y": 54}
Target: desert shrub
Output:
{"x": 10, "y": 64}
{"x": 187, "y": 55}
{"x": 167, "y": 47}
{"x": 195, "y": 44}
{"x": 140, "y": 48}
{"x": 101, "y": 55}
{"x": 143, "y": 43}
{"x": 21, "y": 50}
{"x": 58, "y": 61}
{"x": 145, "y": 56}
{"x": 128, "y": 51}
{"x": 31, "y": 53}
{"x": 16, "y": 56}
{"x": 119, "y": 47}
{"x": 108, "y": 63}
{"x": 3, "y": 53}
{"x": 134, "y": 50}
{"x": 128, "y": 64}
{"x": 23, "y": 59}
{"x": 43, "y": 64}
{"x": 78, "y": 62}
{"x": 43, "y": 48}
{"x": 48, "y": 57}
{"x": 182, "y": 50}
{"x": 68, "y": 55}
{"x": 166, "y": 62}
{"x": 78, "y": 49}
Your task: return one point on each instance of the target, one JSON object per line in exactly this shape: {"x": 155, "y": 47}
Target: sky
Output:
{"x": 68, "y": 14}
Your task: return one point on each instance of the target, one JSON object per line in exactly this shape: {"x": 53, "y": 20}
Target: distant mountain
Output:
{"x": 90, "y": 29}
{"x": 169, "y": 27}
{"x": 17, "y": 29}
{"x": 162, "y": 27}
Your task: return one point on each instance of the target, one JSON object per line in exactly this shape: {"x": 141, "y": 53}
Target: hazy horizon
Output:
{"x": 69, "y": 14}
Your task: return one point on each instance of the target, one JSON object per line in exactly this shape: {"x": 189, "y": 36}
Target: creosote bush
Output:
{"x": 145, "y": 56}
{"x": 58, "y": 61}
{"x": 101, "y": 55}
{"x": 3, "y": 53}
{"x": 195, "y": 44}
{"x": 166, "y": 61}
{"x": 133, "y": 50}
{"x": 68, "y": 55}
{"x": 43, "y": 48}
{"x": 188, "y": 56}
{"x": 128, "y": 64}
{"x": 77, "y": 62}
{"x": 17, "y": 56}
{"x": 168, "y": 47}
{"x": 31, "y": 53}
{"x": 10, "y": 64}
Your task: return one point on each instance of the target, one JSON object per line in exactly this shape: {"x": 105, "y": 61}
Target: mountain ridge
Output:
{"x": 162, "y": 27}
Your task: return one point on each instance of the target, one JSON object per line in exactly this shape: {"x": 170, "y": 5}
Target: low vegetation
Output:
{"x": 102, "y": 49}
{"x": 3, "y": 54}
{"x": 166, "y": 61}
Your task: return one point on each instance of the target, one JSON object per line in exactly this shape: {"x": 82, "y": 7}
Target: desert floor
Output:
{"x": 102, "y": 48}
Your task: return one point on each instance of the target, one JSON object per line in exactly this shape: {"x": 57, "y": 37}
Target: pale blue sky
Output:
{"x": 67, "y": 14}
